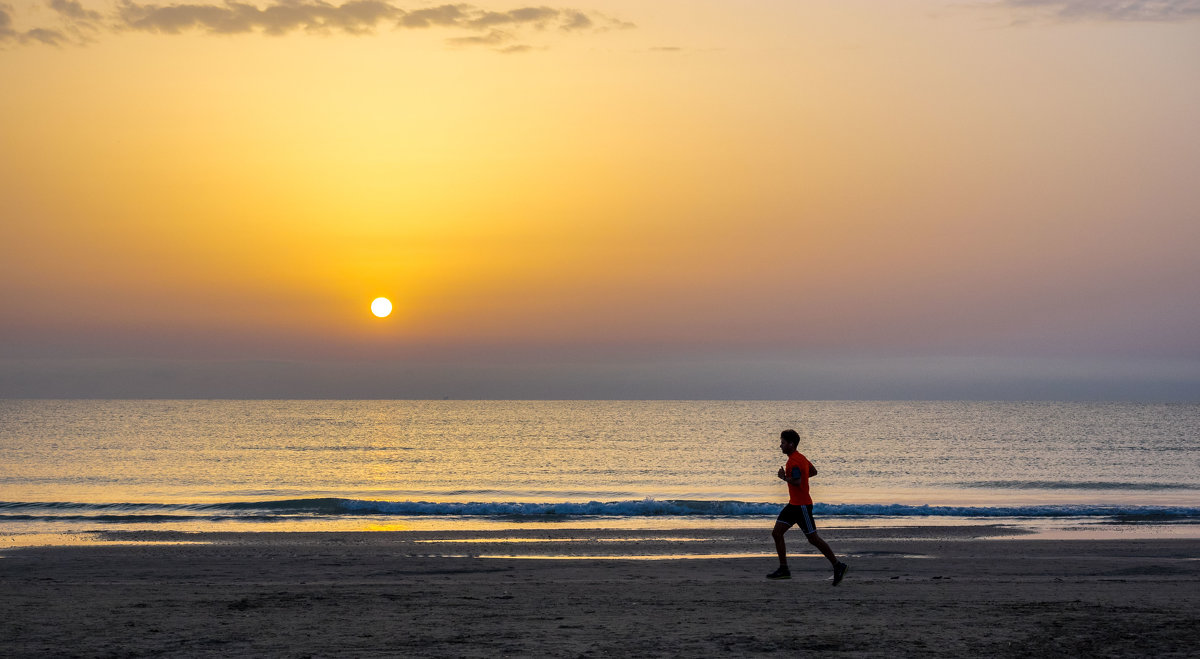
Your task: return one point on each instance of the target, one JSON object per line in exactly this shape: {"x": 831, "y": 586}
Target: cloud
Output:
{"x": 75, "y": 11}
{"x": 314, "y": 16}
{"x": 519, "y": 48}
{"x": 446, "y": 15}
{"x": 1115, "y": 10}
{"x": 538, "y": 16}
{"x": 492, "y": 38}
{"x": 8, "y": 34}
{"x": 42, "y": 35}
{"x": 5, "y": 22}
{"x": 482, "y": 27}
{"x": 577, "y": 20}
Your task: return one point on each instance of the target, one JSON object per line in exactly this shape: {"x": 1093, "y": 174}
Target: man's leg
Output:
{"x": 777, "y": 533}
{"x": 816, "y": 541}
{"x": 839, "y": 568}
{"x": 780, "y": 548}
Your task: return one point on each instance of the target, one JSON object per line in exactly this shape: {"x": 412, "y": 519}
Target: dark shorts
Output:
{"x": 801, "y": 515}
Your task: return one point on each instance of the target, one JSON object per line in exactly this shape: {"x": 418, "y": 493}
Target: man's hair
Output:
{"x": 790, "y": 436}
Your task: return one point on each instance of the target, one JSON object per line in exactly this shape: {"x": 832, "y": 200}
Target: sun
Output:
{"x": 381, "y": 307}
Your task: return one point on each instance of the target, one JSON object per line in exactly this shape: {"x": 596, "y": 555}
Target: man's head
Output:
{"x": 788, "y": 441}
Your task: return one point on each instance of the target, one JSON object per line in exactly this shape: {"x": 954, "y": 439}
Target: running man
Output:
{"x": 796, "y": 473}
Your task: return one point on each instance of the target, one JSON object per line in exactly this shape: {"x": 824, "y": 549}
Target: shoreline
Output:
{"x": 942, "y": 591}
{"x": 1029, "y": 528}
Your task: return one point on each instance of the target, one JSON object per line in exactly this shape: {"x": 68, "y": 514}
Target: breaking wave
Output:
{"x": 325, "y": 508}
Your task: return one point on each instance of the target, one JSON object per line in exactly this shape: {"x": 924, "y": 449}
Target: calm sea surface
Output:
{"x": 272, "y": 465}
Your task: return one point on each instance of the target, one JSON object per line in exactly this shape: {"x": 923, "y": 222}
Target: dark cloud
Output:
{"x": 44, "y": 36}
{"x": 7, "y": 33}
{"x": 1115, "y": 10}
{"x": 38, "y": 35}
{"x": 577, "y": 20}
{"x": 356, "y": 17}
{"x": 497, "y": 29}
{"x": 537, "y": 16}
{"x": 446, "y": 15}
{"x": 75, "y": 11}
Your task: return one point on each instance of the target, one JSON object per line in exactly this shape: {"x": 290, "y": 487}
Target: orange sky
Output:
{"x": 737, "y": 194}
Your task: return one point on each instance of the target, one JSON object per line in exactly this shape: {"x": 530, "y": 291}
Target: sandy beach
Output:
{"x": 949, "y": 591}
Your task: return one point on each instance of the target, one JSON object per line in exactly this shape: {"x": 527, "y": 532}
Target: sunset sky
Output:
{"x": 601, "y": 199}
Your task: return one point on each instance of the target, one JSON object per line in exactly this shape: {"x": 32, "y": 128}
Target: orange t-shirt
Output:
{"x": 798, "y": 494}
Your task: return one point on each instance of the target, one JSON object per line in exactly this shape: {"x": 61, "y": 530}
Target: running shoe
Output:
{"x": 781, "y": 573}
{"x": 839, "y": 571}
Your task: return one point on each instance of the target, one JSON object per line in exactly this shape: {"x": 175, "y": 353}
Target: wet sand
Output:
{"x": 943, "y": 591}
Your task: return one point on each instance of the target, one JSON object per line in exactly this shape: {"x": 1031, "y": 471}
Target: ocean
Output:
{"x": 73, "y": 466}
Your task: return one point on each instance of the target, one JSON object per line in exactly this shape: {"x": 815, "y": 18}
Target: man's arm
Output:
{"x": 795, "y": 478}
